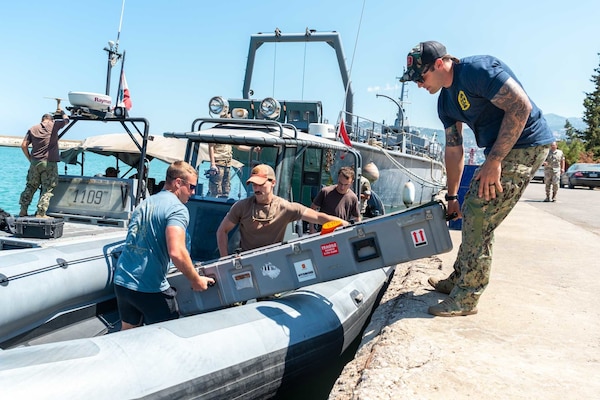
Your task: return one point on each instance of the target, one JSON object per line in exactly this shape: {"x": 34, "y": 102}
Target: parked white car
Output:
{"x": 539, "y": 175}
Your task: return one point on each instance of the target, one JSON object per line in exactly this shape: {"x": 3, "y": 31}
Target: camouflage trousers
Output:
{"x": 552, "y": 180}
{"x": 44, "y": 174}
{"x": 481, "y": 218}
{"x": 218, "y": 184}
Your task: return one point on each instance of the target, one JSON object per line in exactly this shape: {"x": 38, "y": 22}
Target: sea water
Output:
{"x": 14, "y": 167}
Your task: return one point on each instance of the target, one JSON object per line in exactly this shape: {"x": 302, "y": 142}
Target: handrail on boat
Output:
{"x": 232, "y": 121}
{"x": 364, "y": 130}
{"x": 133, "y": 121}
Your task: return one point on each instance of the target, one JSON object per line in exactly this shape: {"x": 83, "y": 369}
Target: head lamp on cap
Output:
{"x": 420, "y": 58}
{"x": 261, "y": 174}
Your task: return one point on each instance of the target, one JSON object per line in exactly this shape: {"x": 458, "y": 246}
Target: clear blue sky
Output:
{"x": 180, "y": 53}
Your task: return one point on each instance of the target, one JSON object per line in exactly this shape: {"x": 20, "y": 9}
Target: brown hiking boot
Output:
{"x": 450, "y": 308}
{"x": 441, "y": 285}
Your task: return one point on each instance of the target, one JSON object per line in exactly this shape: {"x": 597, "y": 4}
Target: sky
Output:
{"x": 180, "y": 53}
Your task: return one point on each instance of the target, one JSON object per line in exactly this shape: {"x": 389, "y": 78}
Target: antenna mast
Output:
{"x": 113, "y": 52}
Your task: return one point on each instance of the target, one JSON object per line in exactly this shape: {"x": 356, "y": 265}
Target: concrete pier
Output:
{"x": 15, "y": 141}
{"x": 537, "y": 333}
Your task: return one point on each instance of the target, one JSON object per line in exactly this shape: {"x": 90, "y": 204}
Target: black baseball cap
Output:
{"x": 422, "y": 55}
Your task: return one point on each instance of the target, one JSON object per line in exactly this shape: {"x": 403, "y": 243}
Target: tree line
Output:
{"x": 584, "y": 145}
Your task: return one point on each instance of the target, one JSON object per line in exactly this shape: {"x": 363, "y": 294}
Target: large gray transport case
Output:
{"x": 387, "y": 240}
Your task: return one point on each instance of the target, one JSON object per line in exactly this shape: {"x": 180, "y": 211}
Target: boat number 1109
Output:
{"x": 88, "y": 196}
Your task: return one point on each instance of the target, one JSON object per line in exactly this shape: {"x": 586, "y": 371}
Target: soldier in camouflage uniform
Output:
{"x": 554, "y": 166}
{"x": 44, "y": 156}
{"x": 484, "y": 93}
{"x": 220, "y": 161}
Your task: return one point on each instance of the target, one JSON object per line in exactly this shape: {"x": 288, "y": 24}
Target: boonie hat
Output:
{"x": 422, "y": 55}
{"x": 260, "y": 174}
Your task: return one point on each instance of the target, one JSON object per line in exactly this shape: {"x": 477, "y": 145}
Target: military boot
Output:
{"x": 451, "y": 308}
{"x": 441, "y": 285}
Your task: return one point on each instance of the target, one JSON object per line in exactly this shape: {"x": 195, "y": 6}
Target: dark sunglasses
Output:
{"x": 427, "y": 68}
{"x": 192, "y": 187}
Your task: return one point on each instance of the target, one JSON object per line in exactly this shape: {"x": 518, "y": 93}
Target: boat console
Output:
{"x": 100, "y": 200}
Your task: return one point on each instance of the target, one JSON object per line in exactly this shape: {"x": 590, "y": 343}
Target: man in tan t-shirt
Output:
{"x": 263, "y": 218}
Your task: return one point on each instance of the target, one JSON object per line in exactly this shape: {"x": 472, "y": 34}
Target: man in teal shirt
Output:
{"x": 156, "y": 236}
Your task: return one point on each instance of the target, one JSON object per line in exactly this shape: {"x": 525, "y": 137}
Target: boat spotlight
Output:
{"x": 270, "y": 108}
{"x": 218, "y": 105}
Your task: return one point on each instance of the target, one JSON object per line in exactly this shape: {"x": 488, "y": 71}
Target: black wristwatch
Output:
{"x": 449, "y": 197}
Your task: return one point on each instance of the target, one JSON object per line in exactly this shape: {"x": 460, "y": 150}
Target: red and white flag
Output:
{"x": 344, "y": 135}
{"x": 124, "y": 95}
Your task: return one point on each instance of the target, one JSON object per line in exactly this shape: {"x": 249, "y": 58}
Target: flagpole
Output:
{"x": 120, "y": 94}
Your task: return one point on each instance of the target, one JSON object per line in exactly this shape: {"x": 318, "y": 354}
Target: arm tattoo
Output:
{"x": 516, "y": 105}
{"x": 453, "y": 136}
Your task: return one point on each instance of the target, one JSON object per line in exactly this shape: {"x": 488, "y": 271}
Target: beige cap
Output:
{"x": 260, "y": 174}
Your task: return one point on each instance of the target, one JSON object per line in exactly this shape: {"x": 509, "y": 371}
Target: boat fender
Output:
{"x": 371, "y": 172}
{"x": 408, "y": 193}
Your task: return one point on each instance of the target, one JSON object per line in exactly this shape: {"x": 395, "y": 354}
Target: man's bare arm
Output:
{"x": 454, "y": 157}
{"x": 516, "y": 105}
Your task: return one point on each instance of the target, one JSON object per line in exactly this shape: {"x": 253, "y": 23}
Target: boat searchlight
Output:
{"x": 218, "y": 105}
{"x": 270, "y": 108}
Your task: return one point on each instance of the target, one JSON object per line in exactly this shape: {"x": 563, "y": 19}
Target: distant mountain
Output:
{"x": 557, "y": 123}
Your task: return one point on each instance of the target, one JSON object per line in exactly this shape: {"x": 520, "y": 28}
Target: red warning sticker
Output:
{"x": 329, "y": 249}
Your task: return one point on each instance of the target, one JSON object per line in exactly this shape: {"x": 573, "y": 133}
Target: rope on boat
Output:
{"x": 60, "y": 264}
{"x": 424, "y": 182}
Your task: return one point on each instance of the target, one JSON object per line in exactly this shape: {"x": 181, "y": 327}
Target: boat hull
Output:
{"x": 39, "y": 284}
{"x": 396, "y": 169}
{"x": 245, "y": 352}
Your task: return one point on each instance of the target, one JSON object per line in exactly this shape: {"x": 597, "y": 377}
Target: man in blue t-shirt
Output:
{"x": 482, "y": 92}
{"x": 156, "y": 236}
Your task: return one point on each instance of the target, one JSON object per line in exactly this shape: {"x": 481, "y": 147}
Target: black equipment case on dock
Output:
{"x": 39, "y": 228}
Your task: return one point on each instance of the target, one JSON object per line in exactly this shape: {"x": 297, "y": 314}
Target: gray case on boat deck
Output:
{"x": 375, "y": 243}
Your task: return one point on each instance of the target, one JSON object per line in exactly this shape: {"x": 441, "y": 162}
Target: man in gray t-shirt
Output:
{"x": 338, "y": 200}
{"x": 43, "y": 168}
